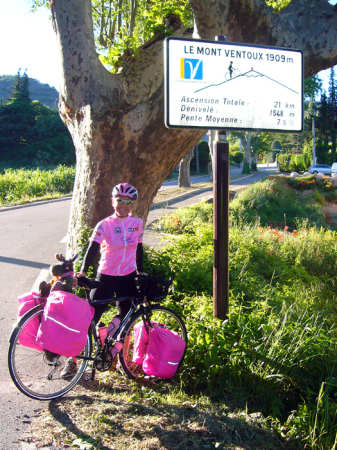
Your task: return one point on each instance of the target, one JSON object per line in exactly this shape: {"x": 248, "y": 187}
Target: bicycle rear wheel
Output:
{"x": 32, "y": 373}
{"x": 160, "y": 315}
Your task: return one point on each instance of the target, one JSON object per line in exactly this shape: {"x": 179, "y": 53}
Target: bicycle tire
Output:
{"x": 30, "y": 369}
{"x": 161, "y": 315}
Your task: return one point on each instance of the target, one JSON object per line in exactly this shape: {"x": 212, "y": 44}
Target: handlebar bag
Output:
{"x": 164, "y": 353}
{"x": 28, "y": 334}
{"x": 141, "y": 339}
{"x": 154, "y": 290}
{"x": 65, "y": 322}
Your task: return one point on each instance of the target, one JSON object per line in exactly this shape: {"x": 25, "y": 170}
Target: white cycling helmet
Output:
{"x": 125, "y": 189}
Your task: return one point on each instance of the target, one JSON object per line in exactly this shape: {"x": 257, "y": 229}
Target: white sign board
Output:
{"x": 232, "y": 86}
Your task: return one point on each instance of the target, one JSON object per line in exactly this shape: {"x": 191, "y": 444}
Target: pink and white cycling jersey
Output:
{"x": 118, "y": 238}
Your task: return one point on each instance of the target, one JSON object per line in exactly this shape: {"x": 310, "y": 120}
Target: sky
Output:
{"x": 28, "y": 42}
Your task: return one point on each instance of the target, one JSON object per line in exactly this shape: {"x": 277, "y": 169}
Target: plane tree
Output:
{"x": 116, "y": 119}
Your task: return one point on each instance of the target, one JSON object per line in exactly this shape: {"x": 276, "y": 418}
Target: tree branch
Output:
{"x": 310, "y": 26}
{"x": 85, "y": 80}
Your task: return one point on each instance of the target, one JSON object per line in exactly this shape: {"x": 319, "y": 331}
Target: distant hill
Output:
{"x": 42, "y": 92}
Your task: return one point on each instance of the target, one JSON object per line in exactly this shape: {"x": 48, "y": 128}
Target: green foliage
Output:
{"x": 236, "y": 157}
{"x": 293, "y": 162}
{"x": 41, "y": 92}
{"x": 186, "y": 220}
{"x": 270, "y": 199}
{"x": 278, "y": 5}
{"x": 276, "y": 351}
{"x": 246, "y": 168}
{"x": 275, "y": 145}
{"x": 311, "y": 182}
{"x": 124, "y": 27}
{"x": 312, "y": 87}
{"x": 32, "y": 134}
{"x": 283, "y": 159}
{"x": 204, "y": 158}
{"x": 22, "y": 185}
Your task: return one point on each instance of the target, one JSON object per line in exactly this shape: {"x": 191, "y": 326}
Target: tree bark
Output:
{"x": 184, "y": 179}
{"x": 303, "y": 25}
{"x": 116, "y": 121}
{"x": 248, "y": 156}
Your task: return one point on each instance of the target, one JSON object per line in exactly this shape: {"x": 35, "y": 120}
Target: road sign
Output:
{"x": 232, "y": 86}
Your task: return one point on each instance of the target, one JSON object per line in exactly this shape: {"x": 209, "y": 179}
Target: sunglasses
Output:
{"x": 126, "y": 202}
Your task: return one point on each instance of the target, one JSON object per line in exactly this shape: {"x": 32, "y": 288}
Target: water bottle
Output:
{"x": 113, "y": 325}
{"x": 102, "y": 332}
{"x": 116, "y": 349}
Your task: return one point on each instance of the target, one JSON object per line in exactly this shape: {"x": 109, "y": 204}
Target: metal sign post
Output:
{"x": 221, "y": 226}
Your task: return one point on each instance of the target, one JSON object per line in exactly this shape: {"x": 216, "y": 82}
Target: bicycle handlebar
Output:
{"x": 93, "y": 284}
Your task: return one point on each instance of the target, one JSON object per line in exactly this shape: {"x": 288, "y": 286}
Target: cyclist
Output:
{"x": 119, "y": 238}
{"x": 230, "y": 68}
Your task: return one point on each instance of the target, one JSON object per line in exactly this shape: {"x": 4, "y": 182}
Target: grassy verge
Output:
{"x": 115, "y": 413}
{"x": 21, "y": 186}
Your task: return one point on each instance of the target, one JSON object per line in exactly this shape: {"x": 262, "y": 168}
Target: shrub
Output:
{"x": 276, "y": 350}
{"x": 283, "y": 159}
{"x": 236, "y": 157}
{"x": 270, "y": 199}
{"x": 186, "y": 219}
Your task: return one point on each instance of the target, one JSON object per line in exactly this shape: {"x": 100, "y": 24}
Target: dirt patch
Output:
{"x": 175, "y": 192}
{"x": 117, "y": 414}
{"x": 331, "y": 211}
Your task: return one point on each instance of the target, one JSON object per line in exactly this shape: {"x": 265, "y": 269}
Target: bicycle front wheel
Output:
{"x": 32, "y": 372}
{"x": 161, "y": 316}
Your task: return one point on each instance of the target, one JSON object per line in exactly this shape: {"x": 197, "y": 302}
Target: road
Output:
{"x": 30, "y": 237}
{"x": 196, "y": 179}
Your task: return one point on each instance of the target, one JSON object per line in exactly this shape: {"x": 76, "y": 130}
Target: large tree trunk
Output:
{"x": 247, "y": 162}
{"x": 116, "y": 121}
{"x": 184, "y": 179}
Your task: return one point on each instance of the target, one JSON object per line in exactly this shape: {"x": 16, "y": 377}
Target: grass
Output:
{"x": 21, "y": 186}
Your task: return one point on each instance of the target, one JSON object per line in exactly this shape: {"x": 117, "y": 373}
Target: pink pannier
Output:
{"x": 65, "y": 323}
{"x": 141, "y": 340}
{"x": 28, "y": 301}
{"x": 28, "y": 335}
{"x": 164, "y": 352}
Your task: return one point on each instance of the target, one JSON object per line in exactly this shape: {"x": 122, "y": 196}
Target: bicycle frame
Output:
{"x": 136, "y": 303}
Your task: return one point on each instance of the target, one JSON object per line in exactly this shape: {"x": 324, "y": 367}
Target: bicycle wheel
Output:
{"x": 160, "y": 315}
{"x": 32, "y": 373}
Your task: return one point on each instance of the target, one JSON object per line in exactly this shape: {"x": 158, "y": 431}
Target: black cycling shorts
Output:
{"x": 113, "y": 285}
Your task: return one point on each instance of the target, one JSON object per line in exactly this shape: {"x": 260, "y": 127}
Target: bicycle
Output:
{"x": 37, "y": 374}
{"x": 235, "y": 73}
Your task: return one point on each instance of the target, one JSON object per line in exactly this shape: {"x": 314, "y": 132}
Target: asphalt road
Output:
{"x": 30, "y": 237}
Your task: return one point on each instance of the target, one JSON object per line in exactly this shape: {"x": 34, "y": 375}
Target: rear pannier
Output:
{"x": 28, "y": 335}
{"x": 65, "y": 323}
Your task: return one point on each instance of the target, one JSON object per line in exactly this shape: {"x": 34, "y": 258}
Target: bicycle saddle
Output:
{"x": 88, "y": 283}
